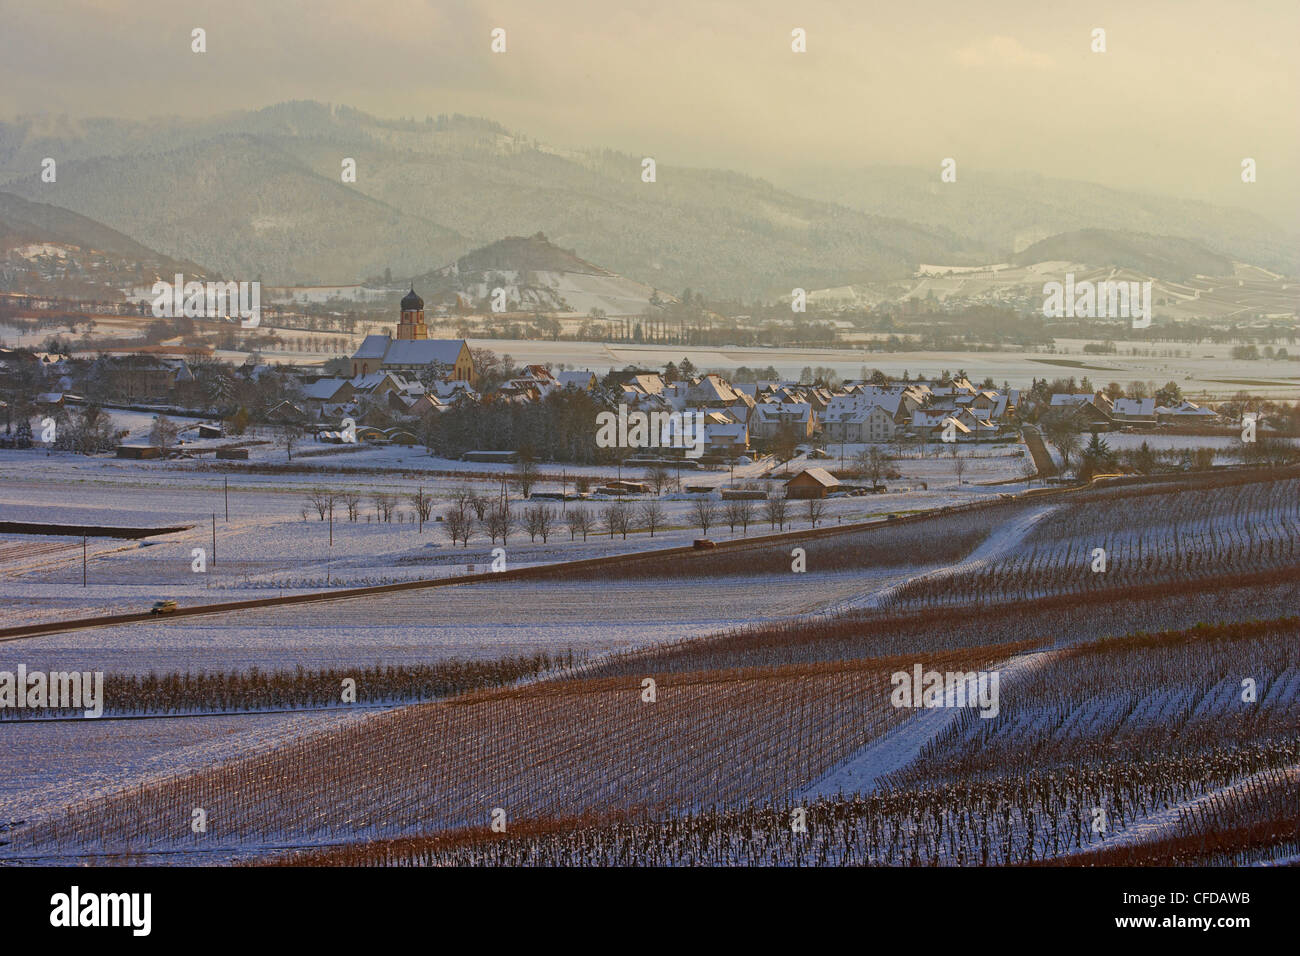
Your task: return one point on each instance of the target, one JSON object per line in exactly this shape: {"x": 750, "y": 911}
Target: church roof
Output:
{"x": 373, "y": 347}
{"x": 421, "y": 351}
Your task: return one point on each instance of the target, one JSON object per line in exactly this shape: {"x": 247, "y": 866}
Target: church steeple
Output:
{"x": 411, "y": 324}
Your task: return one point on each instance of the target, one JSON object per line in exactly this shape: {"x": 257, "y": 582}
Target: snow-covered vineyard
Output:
{"x": 727, "y": 708}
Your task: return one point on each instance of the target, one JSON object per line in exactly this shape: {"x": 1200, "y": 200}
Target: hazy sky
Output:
{"x": 1185, "y": 90}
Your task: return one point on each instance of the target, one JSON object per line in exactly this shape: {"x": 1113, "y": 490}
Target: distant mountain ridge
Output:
{"x": 48, "y": 250}
{"x": 1162, "y": 257}
{"x": 534, "y": 273}
{"x": 259, "y": 194}
{"x": 1011, "y": 210}
{"x": 23, "y": 222}
{"x": 534, "y": 252}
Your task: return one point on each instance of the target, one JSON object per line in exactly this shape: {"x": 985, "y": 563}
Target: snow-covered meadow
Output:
{"x": 274, "y": 540}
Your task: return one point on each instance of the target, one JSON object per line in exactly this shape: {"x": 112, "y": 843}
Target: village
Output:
{"x": 395, "y": 389}
{"x": 415, "y": 458}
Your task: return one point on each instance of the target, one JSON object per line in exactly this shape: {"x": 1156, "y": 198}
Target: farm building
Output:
{"x": 138, "y": 451}
{"x": 811, "y": 483}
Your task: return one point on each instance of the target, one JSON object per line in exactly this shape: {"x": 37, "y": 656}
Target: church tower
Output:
{"x": 411, "y": 325}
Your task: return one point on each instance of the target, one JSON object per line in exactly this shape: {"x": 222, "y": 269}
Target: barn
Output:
{"x": 811, "y": 483}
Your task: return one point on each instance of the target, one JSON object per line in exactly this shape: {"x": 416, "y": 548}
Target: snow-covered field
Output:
{"x": 471, "y": 620}
{"x": 274, "y": 541}
{"x": 267, "y": 545}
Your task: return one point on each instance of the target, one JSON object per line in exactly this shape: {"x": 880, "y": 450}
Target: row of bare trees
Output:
{"x": 472, "y": 512}
{"x": 324, "y": 501}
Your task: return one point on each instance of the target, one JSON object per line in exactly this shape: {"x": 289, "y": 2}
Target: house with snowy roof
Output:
{"x": 1134, "y": 411}
{"x": 859, "y": 423}
{"x": 769, "y": 418}
{"x": 1186, "y": 413}
{"x": 583, "y": 381}
{"x": 712, "y": 391}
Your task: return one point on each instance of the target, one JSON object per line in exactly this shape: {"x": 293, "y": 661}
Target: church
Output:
{"x": 413, "y": 351}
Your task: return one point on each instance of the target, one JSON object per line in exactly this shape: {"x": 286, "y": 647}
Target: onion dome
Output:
{"x": 412, "y": 302}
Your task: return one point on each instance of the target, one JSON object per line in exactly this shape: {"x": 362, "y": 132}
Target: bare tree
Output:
{"x": 579, "y": 522}
{"x": 499, "y": 522}
{"x": 959, "y": 468}
{"x": 705, "y": 513}
{"x": 731, "y": 513}
{"x": 652, "y": 515}
{"x": 422, "y": 502}
{"x": 539, "y": 520}
{"x": 351, "y": 501}
{"x": 458, "y": 525}
{"x": 1062, "y": 433}
{"x": 532, "y": 521}
{"x": 462, "y": 498}
{"x": 615, "y": 519}
{"x": 547, "y": 522}
{"x": 385, "y": 502}
{"x": 871, "y": 463}
{"x": 525, "y": 474}
{"x": 287, "y": 436}
{"x": 776, "y": 511}
{"x": 479, "y": 503}
{"x": 745, "y": 509}
{"x": 319, "y": 499}
{"x": 861, "y": 458}
{"x": 816, "y": 510}
{"x": 658, "y": 477}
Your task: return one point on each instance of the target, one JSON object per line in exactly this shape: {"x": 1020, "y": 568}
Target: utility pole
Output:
{"x": 214, "y": 539}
